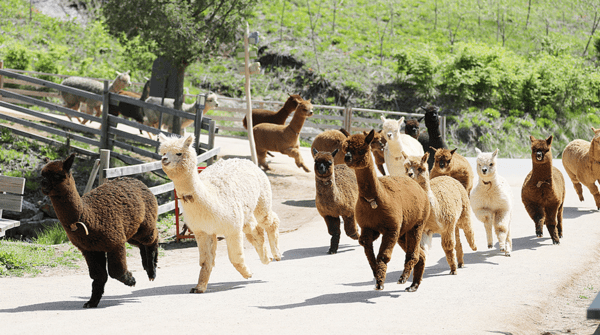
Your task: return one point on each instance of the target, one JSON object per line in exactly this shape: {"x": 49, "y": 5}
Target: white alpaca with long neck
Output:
{"x": 492, "y": 199}
{"x": 231, "y": 198}
{"x": 396, "y": 144}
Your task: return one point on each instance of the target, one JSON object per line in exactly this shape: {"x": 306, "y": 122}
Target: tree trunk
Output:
{"x": 528, "y": 12}
{"x": 178, "y": 101}
{"x": 594, "y": 27}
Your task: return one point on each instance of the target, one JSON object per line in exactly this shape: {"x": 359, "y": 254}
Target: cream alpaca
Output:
{"x": 396, "y": 143}
{"x": 231, "y": 198}
{"x": 492, "y": 200}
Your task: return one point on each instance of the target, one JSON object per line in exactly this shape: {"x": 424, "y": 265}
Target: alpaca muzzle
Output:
{"x": 484, "y": 170}
{"x": 389, "y": 135}
{"x": 539, "y": 155}
{"x": 348, "y": 157}
{"x": 165, "y": 161}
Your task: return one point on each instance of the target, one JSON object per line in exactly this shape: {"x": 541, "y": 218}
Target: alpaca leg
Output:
{"x": 502, "y": 227}
{"x": 96, "y": 261}
{"x": 261, "y": 157}
{"x": 551, "y": 224}
{"x": 207, "y": 247}
{"x": 559, "y": 219}
{"x": 412, "y": 241}
{"x": 235, "y": 250}
{"x": 117, "y": 266}
{"x": 271, "y": 226}
{"x": 418, "y": 272}
{"x": 458, "y": 248}
{"x": 536, "y": 213}
{"x": 388, "y": 241}
{"x": 465, "y": 223}
{"x": 295, "y": 154}
{"x": 366, "y": 240}
{"x": 351, "y": 227}
{"x": 256, "y": 236}
{"x": 149, "y": 255}
{"x": 576, "y": 184}
{"x": 594, "y": 190}
{"x": 487, "y": 218}
{"x": 333, "y": 228}
{"x": 449, "y": 244}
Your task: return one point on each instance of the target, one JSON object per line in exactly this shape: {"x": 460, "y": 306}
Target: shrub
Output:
{"x": 17, "y": 57}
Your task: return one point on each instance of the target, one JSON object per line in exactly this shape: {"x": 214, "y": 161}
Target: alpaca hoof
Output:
{"x": 539, "y": 235}
{"x": 507, "y": 254}
{"x": 90, "y": 304}
{"x": 197, "y": 290}
{"x": 461, "y": 265}
{"x": 555, "y": 242}
{"x": 277, "y": 257}
{"x": 412, "y": 288}
{"x": 402, "y": 280}
{"x": 127, "y": 279}
{"x": 490, "y": 246}
{"x": 332, "y": 252}
{"x": 378, "y": 287}
{"x": 453, "y": 272}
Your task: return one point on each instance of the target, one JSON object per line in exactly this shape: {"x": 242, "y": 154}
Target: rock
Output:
{"x": 30, "y": 228}
{"x": 45, "y": 206}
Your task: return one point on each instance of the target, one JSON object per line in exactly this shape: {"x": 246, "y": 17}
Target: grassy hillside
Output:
{"x": 497, "y": 68}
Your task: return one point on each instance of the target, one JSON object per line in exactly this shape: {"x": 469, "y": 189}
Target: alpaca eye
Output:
{"x": 491, "y": 164}
{"x": 179, "y": 154}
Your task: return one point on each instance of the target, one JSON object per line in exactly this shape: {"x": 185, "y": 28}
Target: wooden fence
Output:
{"x": 107, "y": 137}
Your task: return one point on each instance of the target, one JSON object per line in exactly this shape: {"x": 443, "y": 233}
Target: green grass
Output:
{"x": 54, "y": 234}
{"x": 19, "y": 259}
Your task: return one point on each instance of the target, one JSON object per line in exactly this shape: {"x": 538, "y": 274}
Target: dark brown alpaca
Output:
{"x": 101, "y": 221}
{"x": 279, "y": 117}
{"x": 336, "y": 196}
{"x": 450, "y": 163}
{"x": 543, "y": 191}
{"x": 411, "y": 127}
{"x": 394, "y": 207}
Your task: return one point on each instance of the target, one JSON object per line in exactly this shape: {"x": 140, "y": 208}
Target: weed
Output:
{"x": 50, "y": 235}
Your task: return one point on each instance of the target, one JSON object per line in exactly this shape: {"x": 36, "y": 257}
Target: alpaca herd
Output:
{"x": 233, "y": 198}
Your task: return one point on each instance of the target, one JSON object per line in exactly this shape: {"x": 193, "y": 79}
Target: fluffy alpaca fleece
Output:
{"x": 378, "y": 150}
{"x": 395, "y": 207}
{"x": 73, "y": 101}
{"x": 269, "y": 137}
{"x": 450, "y": 163}
{"x": 101, "y": 221}
{"x": 543, "y": 192}
{"x": 152, "y": 117}
{"x": 411, "y": 128}
{"x": 231, "y": 198}
{"x": 329, "y": 141}
{"x": 580, "y": 159}
{"x": 450, "y": 209}
{"x": 431, "y": 140}
{"x": 492, "y": 201}
{"x": 266, "y": 116}
{"x": 337, "y": 192}
{"x": 396, "y": 144}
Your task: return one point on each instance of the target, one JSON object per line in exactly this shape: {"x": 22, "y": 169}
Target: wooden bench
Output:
{"x": 11, "y": 199}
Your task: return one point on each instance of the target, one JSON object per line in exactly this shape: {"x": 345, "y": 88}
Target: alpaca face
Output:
{"x": 211, "y": 101}
{"x": 541, "y": 150}
{"x": 56, "y": 176}
{"x": 356, "y": 149}
{"x": 178, "y": 155}
{"x": 324, "y": 163}
{"x": 486, "y": 164}
{"x": 416, "y": 167}
{"x": 305, "y": 108}
{"x": 432, "y": 116}
{"x": 391, "y": 128}
{"x": 379, "y": 141}
{"x": 123, "y": 80}
{"x": 412, "y": 128}
{"x": 595, "y": 145}
{"x": 443, "y": 158}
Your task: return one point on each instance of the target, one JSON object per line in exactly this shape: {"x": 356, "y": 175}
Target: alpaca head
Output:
{"x": 56, "y": 177}
{"x": 541, "y": 150}
{"x": 123, "y": 80}
{"x": 595, "y": 146}
{"x": 432, "y": 116}
{"x": 379, "y": 141}
{"x": 356, "y": 149}
{"x": 416, "y": 167}
{"x": 211, "y": 102}
{"x": 324, "y": 163}
{"x": 486, "y": 164}
{"x": 391, "y": 128}
{"x": 443, "y": 158}
{"x": 178, "y": 155}
{"x": 411, "y": 127}
{"x": 305, "y": 109}
{"x": 293, "y": 101}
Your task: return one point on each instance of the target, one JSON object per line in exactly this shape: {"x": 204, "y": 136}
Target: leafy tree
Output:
{"x": 182, "y": 31}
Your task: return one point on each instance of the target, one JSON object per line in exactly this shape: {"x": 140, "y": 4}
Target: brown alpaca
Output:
{"x": 266, "y": 116}
{"x": 394, "y": 207}
{"x": 450, "y": 210}
{"x": 449, "y": 163}
{"x": 328, "y": 141}
{"x": 101, "y": 221}
{"x": 543, "y": 191}
{"x": 411, "y": 128}
{"x": 282, "y": 138}
{"x": 377, "y": 147}
{"x": 580, "y": 161}
{"x": 337, "y": 192}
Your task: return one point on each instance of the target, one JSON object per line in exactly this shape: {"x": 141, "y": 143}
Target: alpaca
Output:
{"x": 450, "y": 163}
{"x": 431, "y": 139}
{"x": 266, "y": 116}
{"x": 378, "y": 150}
{"x": 101, "y": 221}
{"x": 152, "y": 117}
{"x": 337, "y": 192}
{"x": 411, "y": 128}
{"x": 396, "y": 143}
{"x": 129, "y": 110}
{"x": 231, "y": 198}
{"x": 543, "y": 191}
{"x": 395, "y": 207}
{"x": 328, "y": 141}
{"x": 492, "y": 200}
{"x": 282, "y": 138}
{"x": 450, "y": 210}
{"x": 73, "y": 101}
{"x": 579, "y": 159}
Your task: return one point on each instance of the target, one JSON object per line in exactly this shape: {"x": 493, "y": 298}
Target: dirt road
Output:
{"x": 541, "y": 289}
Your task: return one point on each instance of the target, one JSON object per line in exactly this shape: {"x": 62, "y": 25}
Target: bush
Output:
{"x": 17, "y": 57}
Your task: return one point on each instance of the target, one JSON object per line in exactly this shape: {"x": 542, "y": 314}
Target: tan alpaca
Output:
{"x": 450, "y": 163}
{"x": 450, "y": 210}
{"x": 580, "y": 159}
{"x": 492, "y": 201}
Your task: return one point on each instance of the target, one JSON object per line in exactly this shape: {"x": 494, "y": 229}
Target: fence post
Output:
{"x": 1, "y": 77}
{"x": 200, "y": 102}
{"x": 212, "y": 127}
{"x": 104, "y": 164}
{"x": 104, "y": 127}
{"x": 348, "y": 119}
{"x": 443, "y": 125}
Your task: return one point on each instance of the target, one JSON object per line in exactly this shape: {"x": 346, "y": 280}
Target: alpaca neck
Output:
{"x": 594, "y": 152}
{"x": 395, "y": 145}
{"x": 542, "y": 172}
{"x": 68, "y": 205}
{"x": 297, "y": 122}
{"x": 423, "y": 181}
{"x": 288, "y": 108}
{"x": 326, "y": 188}
{"x": 366, "y": 178}
{"x": 116, "y": 86}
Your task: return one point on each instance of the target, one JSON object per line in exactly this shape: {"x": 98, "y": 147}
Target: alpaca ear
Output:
{"x": 162, "y": 137}
{"x": 383, "y": 118}
{"x": 370, "y": 137}
{"x": 403, "y": 154}
{"x": 531, "y": 138}
{"x": 401, "y": 120}
{"x": 432, "y": 148}
{"x": 549, "y": 140}
{"x": 345, "y": 132}
{"x": 596, "y": 131}
{"x": 425, "y": 158}
{"x": 478, "y": 152}
{"x": 420, "y": 119}
{"x": 189, "y": 139}
{"x": 314, "y": 152}
{"x": 334, "y": 152}
{"x": 68, "y": 163}
{"x": 495, "y": 153}
{"x": 453, "y": 151}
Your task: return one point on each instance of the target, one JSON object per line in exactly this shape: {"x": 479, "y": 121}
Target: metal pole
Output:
{"x": 104, "y": 164}
{"x": 104, "y": 137}
{"x": 248, "y": 98}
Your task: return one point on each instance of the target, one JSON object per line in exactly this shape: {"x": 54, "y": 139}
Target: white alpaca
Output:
{"x": 231, "y": 198}
{"x": 491, "y": 200}
{"x": 396, "y": 143}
